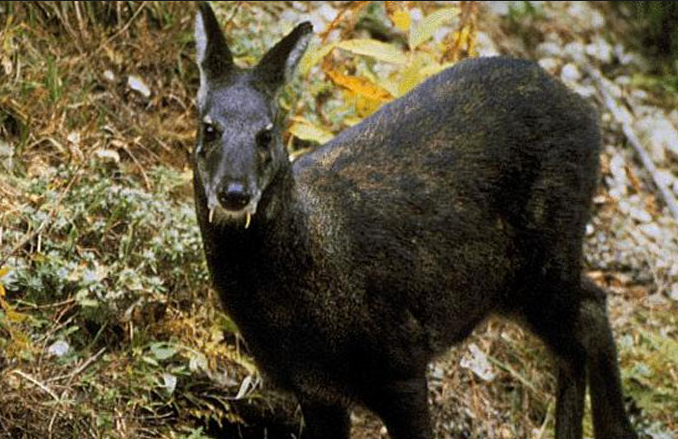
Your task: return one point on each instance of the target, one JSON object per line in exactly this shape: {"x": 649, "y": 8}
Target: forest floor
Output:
{"x": 108, "y": 327}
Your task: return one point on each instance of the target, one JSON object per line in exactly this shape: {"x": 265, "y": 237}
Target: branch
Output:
{"x": 623, "y": 117}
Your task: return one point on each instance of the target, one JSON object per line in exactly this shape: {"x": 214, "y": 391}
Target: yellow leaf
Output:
{"x": 427, "y": 27}
{"x": 13, "y": 316}
{"x": 435, "y": 68}
{"x": 307, "y": 131}
{"x": 360, "y": 86}
{"x": 352, "y": 120}
{"x": 313, "y": 56}
{"x": 375, "y": 49}
{"x": 3, "y": 272}
{"x": 365, "y": 106}
{"x": 401, "y": 20}
{"x": 411, "y": 76}
{"x": 391, "y": 84}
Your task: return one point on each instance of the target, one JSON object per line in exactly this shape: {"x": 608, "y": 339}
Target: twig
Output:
{"x": 63, "y": 19}
{"x": 527, "y": 383}
{"x": 547, "y": 418}
{"x": 622, "y": 116}
{"x": 37, "y": 383}
{"x": 352, "y": 6}
{"x": 29, "y": 305}
{"x": 124, "y": 28}
{"x": 141, "y": 168}
{"x": 46, "y": 221}
{"x": 235, "y": 10}
{"x": 80, "y": 368}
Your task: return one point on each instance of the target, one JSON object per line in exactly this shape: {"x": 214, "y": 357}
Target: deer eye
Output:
{"x": 209, "y": 133}
{"x": 264, "y": 138}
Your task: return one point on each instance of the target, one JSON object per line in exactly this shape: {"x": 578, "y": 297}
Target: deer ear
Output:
{"x": 214, "y": 58}
{"x": 277, "y": 66}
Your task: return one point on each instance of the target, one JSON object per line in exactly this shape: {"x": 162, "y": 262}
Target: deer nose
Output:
{"x": 234, "y": 196}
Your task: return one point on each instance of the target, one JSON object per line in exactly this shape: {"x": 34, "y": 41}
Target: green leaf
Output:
{"x": 197, "y": 362}
{"x": 427, "y": 27}
{"x": 82, "y": 298}
{"x": 374, "y": 49}
{"x": 150, "y": 360}
{"x": 162, "y": 351}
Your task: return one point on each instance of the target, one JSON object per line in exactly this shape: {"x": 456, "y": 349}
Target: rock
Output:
{"x": 328, "y": 12}
{"x": 640, "y": 95}
{"x": 138, "y": 85}
{"x": 652, "y": 231}
{"x": 673, "y": 293}
{"x": 549, "y": 49}
{"x": 575, "y": 51}
{"x": 618, "y": 171}
{"x": 666, "y": 177}
{"x": 623, "y": 80}
{"x": 601, "y": 238}
{"x": 291, "y": 16}
{"x": 109, "y": 76}
{"x": 585, "y": 91}
{"x": 600, "y": 50}
{"x": 655, "y": 300}
{"x": 485, "y": 45}
{"x": 586, "y": 17}
{"x": 660, "y": 134}
{"x": 673, "y": 117}
{"x": 549, "y": 64}
{"x": 476, "y": 360}
{"x": 640, "y": 215}
{"x": 590, "y": 229}
{"x": 500, "y": 8}
{"x": 597, "y": 19}
{"x": 107, "y": 155}
{"x": 6, "y": 155}
{"x": 416, "y": 14}
{"x": 570, "y": 73}
{"x": 59, "y": 348}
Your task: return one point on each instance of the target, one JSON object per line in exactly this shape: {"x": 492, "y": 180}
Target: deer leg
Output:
{"x": 554, "y": 320}
{"x": 324, "y": 421}
{"x": 573, "y": 323}
{"x": 403, "y": 407}
{"x": 609, "y": 417}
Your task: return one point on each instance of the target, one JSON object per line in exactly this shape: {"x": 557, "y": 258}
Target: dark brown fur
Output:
{"x": 376, "y": 252}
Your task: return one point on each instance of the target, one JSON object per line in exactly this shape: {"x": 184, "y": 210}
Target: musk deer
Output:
{"x": 348, "y": 270}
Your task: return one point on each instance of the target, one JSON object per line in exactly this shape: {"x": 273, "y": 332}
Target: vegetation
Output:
{"x": 658, "y": 22}
{"x": 108, "y": 327}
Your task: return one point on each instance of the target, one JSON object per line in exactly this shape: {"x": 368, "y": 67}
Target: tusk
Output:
{"x": 211, "y": 217}
{"x": 248, "y": 218}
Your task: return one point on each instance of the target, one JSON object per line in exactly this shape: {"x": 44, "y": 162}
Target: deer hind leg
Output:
{"x": 403, "y": 407}
{"x": 323, "y": 421}
{"x": 609, "y": 417}
{"x": 552, "y": 314}
{"x": 573, "y": 323}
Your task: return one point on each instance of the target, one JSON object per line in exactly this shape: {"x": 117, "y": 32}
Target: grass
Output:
{"x": 99, "y": 249}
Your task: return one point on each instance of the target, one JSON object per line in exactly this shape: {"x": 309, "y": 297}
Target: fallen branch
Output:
{"x": 37, "y": 383}
{"x": 623, "y": 117}
{"x": 82, "y": 367}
